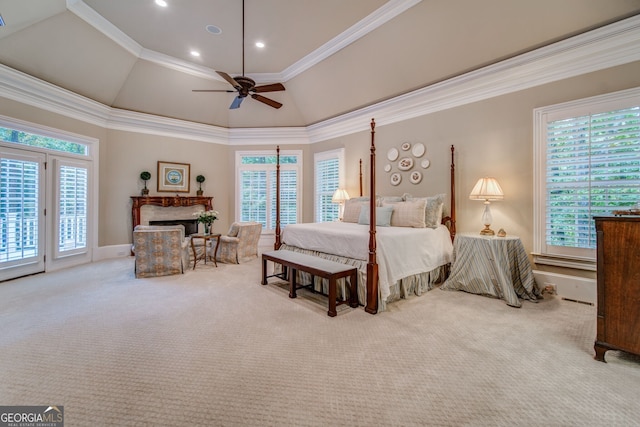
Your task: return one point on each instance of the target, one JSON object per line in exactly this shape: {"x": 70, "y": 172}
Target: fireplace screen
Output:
{"x": 190, "y": 225}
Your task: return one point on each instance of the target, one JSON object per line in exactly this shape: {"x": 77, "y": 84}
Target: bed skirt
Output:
{"x": 416, "y": 284}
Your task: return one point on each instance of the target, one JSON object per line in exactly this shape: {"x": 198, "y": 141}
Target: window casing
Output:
{"x": 329, "y": 176}
{"x": 587, "y": 163}
{"x": 256, "y": 187}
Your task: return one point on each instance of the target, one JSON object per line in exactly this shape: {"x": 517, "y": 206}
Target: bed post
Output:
{"x": 372, "y": 265}
{"x": 452, "y": 227}
{"x": 277, "y": 244}
{"x": 360, "y": 177}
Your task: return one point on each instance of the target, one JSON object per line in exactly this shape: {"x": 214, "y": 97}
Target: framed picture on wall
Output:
{"x": 173, "y": 177}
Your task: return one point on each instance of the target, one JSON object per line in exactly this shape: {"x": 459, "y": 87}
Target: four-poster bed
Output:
{"x": 387, "y": 271}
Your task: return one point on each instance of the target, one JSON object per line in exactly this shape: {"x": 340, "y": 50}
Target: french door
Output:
{"x": 22, "y": 220}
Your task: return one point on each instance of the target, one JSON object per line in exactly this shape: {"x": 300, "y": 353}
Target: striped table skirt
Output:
{"x": 492, "y": 266}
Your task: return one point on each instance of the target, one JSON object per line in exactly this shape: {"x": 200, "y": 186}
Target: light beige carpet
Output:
{"x": 213, "y": 347}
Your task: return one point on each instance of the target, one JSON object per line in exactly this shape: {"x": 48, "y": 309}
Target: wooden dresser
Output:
{"x": 618, "y": 240}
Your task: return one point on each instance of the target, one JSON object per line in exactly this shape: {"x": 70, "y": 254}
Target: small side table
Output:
{"x": 492, "y": 266}
{"x": 205, "y": 238}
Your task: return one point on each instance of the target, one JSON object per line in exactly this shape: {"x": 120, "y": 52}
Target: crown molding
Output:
{"x": 163, "y": 126}
{"x": 29, "y": 90}
{"x": 179, "y": 65}
{"x": 606, "y": 47}
{"x": 613, "y": 45}
{"x": 269, "y": 136}
{"x": 388, "y": 11}
{"x": 93, "y": 18}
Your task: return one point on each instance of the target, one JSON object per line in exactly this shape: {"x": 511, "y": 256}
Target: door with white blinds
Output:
{"x": 253, "y": 196}
{"x": 288, "y": 198}
{"x": 256, "y": 188}
{"x": 72, "y": 182}
{"x": 22, "y": 225}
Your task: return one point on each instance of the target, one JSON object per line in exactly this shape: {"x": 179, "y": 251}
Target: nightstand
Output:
{"x": 492, "y": 266}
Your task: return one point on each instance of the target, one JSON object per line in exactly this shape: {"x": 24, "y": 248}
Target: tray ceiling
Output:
{"x": 333, "y": 56}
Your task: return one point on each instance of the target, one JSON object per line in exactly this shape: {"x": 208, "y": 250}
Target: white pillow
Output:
{"x": 380, "y": 200}
{"x": 352, "y": 211}
{"x": 383, "y": 215}
{"x": 408, "y": 214}
{"x": 433, "y": 209}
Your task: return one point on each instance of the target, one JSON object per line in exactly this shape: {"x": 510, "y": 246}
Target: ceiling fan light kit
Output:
{"x": 246, "y": 86}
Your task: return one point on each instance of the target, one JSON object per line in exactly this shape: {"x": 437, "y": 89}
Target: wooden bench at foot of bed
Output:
{"x": 330, "y": 270}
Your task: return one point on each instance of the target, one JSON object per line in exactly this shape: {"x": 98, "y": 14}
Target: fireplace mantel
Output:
{"x": 166, "y": 201}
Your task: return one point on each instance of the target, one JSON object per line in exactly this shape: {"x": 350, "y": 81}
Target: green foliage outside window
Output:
{"x": 33, "y": 140}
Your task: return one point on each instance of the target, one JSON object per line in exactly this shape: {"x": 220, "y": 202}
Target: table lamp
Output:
{"x": 340, "y": 196}
{"x": 487, "y": 189}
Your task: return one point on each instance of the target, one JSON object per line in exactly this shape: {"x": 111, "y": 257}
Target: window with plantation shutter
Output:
{"x": 256, "y": 183}
{"x": 328, "y": 178}
{"x": 73, "y": 184}
{"x": 19, "y": 209}
{"x": 253, "y": 195}
{"x": 288, "y": 197}
{"x": 588, "y": 155}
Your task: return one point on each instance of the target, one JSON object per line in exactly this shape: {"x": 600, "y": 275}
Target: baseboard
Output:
{"x": 568, "y": 287}
{"x": 112, "y": 251}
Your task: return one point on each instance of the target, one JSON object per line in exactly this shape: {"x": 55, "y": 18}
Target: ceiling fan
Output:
{"x": 246, "y": 86}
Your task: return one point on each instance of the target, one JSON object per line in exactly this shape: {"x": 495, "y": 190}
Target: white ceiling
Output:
{"x": 333, "y": 56}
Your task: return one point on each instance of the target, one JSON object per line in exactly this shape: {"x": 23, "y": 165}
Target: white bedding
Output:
{"x": 401, "y": 251}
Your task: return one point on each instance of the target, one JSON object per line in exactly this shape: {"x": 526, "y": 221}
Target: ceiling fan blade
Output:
{"x": 275, "y": 87}
{"x": 265, "y": 100}
{"x": 236, "y": 102}
{"x": 228, "y": 78}
{"x": 212, "y": 90}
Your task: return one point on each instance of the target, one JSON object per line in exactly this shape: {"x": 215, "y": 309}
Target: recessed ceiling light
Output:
{"x": 260, "y": 45}
{"x": 161, "y": 3}
{"x": 213, "y": 29}
{"x": 195, "y": 53}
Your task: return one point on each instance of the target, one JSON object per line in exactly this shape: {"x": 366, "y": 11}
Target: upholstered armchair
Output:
{"x": 240, "y": 244}
{"x": 160, "y": 250}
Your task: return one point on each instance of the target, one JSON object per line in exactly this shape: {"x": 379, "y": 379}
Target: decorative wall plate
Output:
{"x": 405, "y": 163}
{"x": 392, "y": 154}
{"x": 387, "y": 167}
{"x": 425, "y": 163}
{"x": 415, "y": 177}
{"x": 396, "y": 178}
{"x": 418, "y": 149}
{"x": 405, "y": 146}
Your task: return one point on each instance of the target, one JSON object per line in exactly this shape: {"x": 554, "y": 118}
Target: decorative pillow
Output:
{"x": 352, "y": 210}
{"x": 433, "y": 209}
{"x": 408, "y": 214}
{"x": 381, "y": 200}
{"x": 383, "y": 215}
{"x": 357, "y": 199}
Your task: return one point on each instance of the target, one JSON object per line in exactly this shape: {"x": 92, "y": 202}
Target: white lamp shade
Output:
{"x": 487, "y": 189}
{"x": 340, "y": 196}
